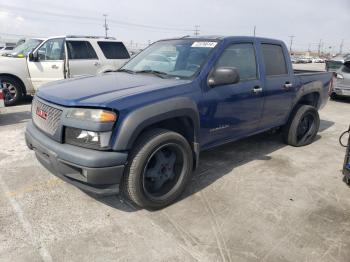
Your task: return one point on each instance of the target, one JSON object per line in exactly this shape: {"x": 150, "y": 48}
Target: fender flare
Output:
{"x": 312, "y": 87}
{"x": 135, "y": 122}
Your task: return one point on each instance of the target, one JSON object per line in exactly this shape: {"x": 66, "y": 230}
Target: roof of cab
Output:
{"x": 223, "y": 37}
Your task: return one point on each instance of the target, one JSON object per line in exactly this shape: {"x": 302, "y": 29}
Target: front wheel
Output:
{"x": 158, "y": 170}
{"x": 12, "y": 90}
{"x": 302, "y": 127}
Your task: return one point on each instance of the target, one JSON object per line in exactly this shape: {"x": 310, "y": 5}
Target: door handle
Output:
{"x": 97, "y": 63}
{"x": 54, "y": 67}
{"x": 257, "y": 90}
{"x": 287, "y": 86}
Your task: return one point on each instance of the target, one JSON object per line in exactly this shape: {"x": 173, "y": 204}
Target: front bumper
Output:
{"x": 97, "y": 172}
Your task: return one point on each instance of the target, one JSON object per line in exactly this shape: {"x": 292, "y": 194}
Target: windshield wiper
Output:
{"x": 126, "y": 71}
{"x": 154, "y": 72}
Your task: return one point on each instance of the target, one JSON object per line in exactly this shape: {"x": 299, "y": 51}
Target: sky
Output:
{"x": 140, "y": 21}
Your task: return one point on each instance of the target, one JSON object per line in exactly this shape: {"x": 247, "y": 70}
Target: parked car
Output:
{"x": 342, "y": 86}
{"x": 21, "y": 41}
{"x": 300, "y": 60}
{"x": 21, "y": 51}
{"x": 2, "y": 99}
{"x": 317, "y": 60}
{"x": 6, "y": 49}
{"x": 334, "y": 64}
{"x": 140, "y": 131}
{"x": 49, "y": 62}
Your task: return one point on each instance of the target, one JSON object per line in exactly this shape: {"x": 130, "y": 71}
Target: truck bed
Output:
{"x": 303, "y": 72}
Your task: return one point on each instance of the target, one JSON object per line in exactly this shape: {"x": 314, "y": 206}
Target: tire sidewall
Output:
{"x": 17, "y": 86}
{"x": 139, "y": 160}
{"x": 298, "y": 116}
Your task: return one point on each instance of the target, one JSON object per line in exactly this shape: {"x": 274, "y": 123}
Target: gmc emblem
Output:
{"x": 41, "y": 113}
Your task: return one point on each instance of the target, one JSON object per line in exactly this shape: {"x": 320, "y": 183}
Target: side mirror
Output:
{"x": 223, "y": 76}
{"x": 33, "y": 57}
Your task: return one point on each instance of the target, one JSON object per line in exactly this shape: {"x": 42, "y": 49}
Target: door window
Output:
{"x": 51, "y": 50}
{"x": 274, "y": 60}
{"x": 80, "y": 50}
{"x": 241, "y": 57}
{"x": 114, "y": 50}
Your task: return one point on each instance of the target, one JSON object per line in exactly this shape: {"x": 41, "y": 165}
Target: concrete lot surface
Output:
{"x": 253, "y": 200}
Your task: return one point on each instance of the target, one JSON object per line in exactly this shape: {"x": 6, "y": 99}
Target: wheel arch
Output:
{"x": 176, "y": 114}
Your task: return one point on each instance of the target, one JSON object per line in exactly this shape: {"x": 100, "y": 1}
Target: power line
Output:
{"x": 319, "y": 47}
{"x": 341, "y": 46}
{"x": 196, "y": 30}
{"x": 291, "y": 43}
{"x": 106, "y": 25}
{"x": 114, "y": 21}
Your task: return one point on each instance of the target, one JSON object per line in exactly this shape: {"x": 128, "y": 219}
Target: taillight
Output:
{"x": 1, "y": 95}
{"x": 332, "y": 83}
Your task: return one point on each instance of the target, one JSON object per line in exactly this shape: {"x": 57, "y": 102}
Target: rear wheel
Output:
{"x": 333, "y": 96}
{"x": 12, "y": 90}
{"x": 303, "y": 126}
{"x": 158, "y": 170}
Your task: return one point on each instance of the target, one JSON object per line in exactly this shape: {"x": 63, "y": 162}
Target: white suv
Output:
{"x": 58, "y": 58}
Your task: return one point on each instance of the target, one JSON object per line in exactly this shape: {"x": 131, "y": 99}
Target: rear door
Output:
{"x": 50, "y": 64}
{"x": 279, "y": 85}
{"x": 82, "y": 58}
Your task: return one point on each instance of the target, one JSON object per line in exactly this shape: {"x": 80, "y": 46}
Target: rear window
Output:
{"x": 274, "y": 61}
{"x": 80, "y": 50}
{"x": 114, "y": 50}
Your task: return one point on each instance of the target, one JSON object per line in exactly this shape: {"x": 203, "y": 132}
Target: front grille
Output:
{"x": 45, "y": 117}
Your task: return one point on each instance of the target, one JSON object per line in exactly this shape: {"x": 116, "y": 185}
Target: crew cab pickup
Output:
{"x": 140, "y": 131}
{"x": 37, "y": 62}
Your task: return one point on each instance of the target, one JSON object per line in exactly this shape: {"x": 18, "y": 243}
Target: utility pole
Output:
{"x": 319, "y": 47}
{"x": 196, "y": 30}
{"x": 254, "y": 30}
{"x": 291, "y": 43}
{"x": 341, "y": 46}
{"x": 105, "y": 25}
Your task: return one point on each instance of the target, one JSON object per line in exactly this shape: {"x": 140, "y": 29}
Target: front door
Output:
{"x": 229, "y": 112}
{"x": 50, "y": 64}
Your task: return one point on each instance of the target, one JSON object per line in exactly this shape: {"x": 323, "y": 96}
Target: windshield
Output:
{"x": 25, "y": 48}
{"x": 175, "y": 58}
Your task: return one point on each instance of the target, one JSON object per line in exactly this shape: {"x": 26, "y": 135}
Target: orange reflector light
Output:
{"x": 107, "y": 116}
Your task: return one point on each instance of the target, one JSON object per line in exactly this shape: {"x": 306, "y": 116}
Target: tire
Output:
{"x": 12, "y": 90}
{"x": 333, "y": 96}
{"x": 143, "y": 180}
{"x": 302, "y": 127}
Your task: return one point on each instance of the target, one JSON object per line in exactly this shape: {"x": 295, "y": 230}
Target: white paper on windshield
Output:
{"x": 204, "y": 44}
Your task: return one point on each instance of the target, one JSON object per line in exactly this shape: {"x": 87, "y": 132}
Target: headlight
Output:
{"x": 88, "y": 139}
{"x": 96, "y": 115}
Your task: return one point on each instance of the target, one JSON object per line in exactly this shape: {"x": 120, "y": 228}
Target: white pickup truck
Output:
{"x": 57, "y": 58}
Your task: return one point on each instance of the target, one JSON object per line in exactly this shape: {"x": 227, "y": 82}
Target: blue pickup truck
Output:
{"x": 139, "y": 131}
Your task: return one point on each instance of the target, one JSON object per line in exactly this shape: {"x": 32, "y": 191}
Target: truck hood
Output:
{"x": 103, "y": 89}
